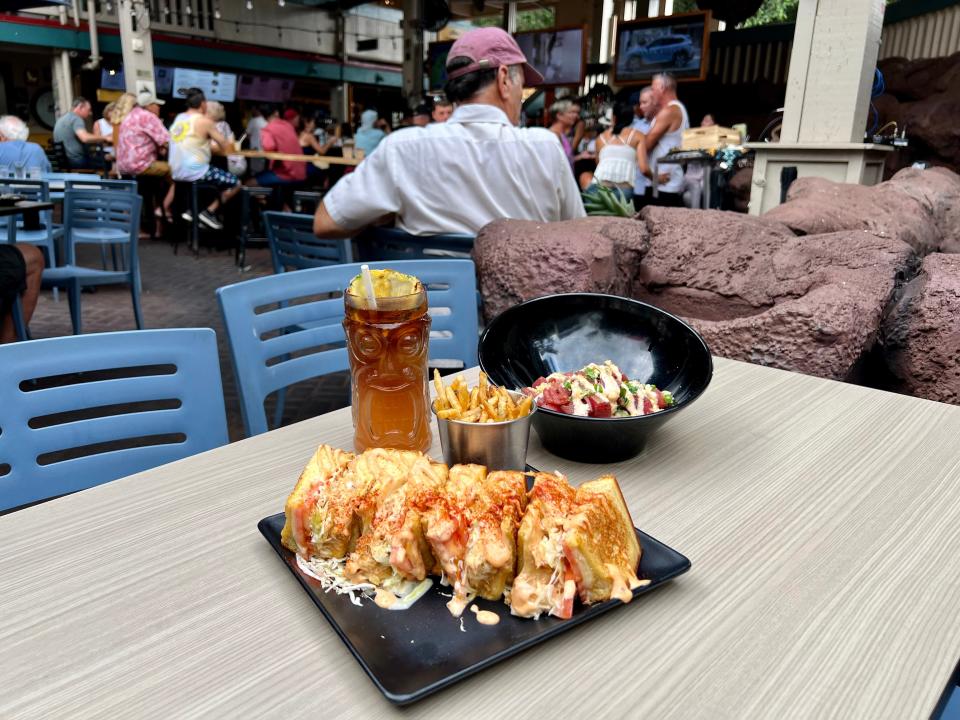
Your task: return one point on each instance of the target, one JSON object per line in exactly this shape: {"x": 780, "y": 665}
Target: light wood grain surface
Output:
{"x": 319, "y": 160}
{"x": 822, "y": 520}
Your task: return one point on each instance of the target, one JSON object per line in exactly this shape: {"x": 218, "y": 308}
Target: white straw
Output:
{"x": 368, "y": 284}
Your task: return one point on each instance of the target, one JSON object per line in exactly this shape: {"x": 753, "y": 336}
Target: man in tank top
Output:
{"x": 666, "y": 133}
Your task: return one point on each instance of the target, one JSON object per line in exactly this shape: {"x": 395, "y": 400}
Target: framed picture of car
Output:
{"x": 558, "y": 54}
{"x": 678, "y": 44}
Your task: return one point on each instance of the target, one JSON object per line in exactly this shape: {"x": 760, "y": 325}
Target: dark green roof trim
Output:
{"x": 227, "y": 59}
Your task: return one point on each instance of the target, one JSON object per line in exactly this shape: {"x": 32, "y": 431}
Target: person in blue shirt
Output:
{"x": 16, "y": 151}
{"x": 372, "y": 131}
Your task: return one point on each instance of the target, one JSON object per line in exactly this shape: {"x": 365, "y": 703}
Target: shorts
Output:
{"x": 158, "y": 168}
{"x": 220, "y": 178}
{"x": 13, "y": 274}
{"x": 268, "y": 178}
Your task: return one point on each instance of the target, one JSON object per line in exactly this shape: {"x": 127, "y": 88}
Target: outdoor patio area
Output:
{"x": 179, "y": 291}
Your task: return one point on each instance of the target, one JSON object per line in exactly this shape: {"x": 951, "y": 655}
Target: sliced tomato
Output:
{"x": 539, "y": 381}
{"x": 647, "y": 405}
{"x": 599, "y": 407}
{"x": 661, "y": 403}
{"x": 557, "y": 394}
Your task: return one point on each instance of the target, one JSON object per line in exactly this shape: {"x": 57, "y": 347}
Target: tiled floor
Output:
{"x": 178, "y": 291}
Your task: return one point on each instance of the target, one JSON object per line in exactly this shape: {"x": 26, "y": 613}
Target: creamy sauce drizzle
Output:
{"x": 384, "y": 599}
{"x": 485, "y": 617}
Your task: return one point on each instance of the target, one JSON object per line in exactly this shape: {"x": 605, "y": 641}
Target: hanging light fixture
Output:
{"x": 281, "y": 3}
{"x": 188, "y": 9}
{"x": 216, "y": 12}
{"x": 108, "y": 6}
{"x": 249, "y": 4}
{"x": 166, "y": 9}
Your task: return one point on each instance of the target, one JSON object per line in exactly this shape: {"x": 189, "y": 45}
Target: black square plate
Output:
{"x": 410, "y": 654}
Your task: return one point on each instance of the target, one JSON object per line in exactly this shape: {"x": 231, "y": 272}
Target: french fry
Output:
{"x": 463, "y": 394}
{"x": 448, "y": 414}
{"x": 475, "y": 398}
{"x": 438, "y": 384}
{"x": 526, "y": 405}
{"x": 453, "y": 401}
{"x": 482, "y": 387}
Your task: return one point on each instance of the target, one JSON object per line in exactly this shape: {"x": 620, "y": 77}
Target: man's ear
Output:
{"x": 503, "y": 80}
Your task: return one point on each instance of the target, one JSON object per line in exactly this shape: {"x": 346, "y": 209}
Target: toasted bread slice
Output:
{"x": 314, "y": 487}
{"x": 600, "y": 543}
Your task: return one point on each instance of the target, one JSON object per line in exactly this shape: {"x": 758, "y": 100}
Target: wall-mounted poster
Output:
{"x": 559, "y": 55}
{"x": 115, "y": 80}
{"x": 215, "y": 85}
{"x": 437, "y": 63}
{"x": 677, "y": 44}
{"x": 264, "y": 89}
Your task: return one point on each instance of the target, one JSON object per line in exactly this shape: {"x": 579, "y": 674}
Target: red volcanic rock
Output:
{"x": 757, "y": 293}
{"x": 915, "y": 209}
{"x": 932, "y": 123}
{"x": 921, "y": 335}
{"x": 518, "y": 260}
{"x": 938, "y": 192}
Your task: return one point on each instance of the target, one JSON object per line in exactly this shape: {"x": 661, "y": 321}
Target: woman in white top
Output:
{"x": 617, "y": 151}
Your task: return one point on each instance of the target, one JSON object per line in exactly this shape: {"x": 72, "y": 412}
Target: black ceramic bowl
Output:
{"x": 562, "y": 333}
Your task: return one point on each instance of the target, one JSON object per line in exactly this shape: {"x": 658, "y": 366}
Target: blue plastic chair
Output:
{"x": 44, "y": 452}
{"x": 104, "y": 233}
{"x": 92, "y": 182}
{"x": 294, "y": 246}
{"x": 92, "y": 209}
{"x": 451, "y": 291}
{"x": 387, "y": 243}
{"x": 11, "y": 228}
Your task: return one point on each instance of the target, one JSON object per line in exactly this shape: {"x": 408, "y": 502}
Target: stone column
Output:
{"x": 136, "y": 46}
{"x": 835, "y": 47}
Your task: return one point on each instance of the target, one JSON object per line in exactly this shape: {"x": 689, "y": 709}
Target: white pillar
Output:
{"x": 62, "y": 82}
{"x": 136, "y": 46}
{"x": 835, "y": 48}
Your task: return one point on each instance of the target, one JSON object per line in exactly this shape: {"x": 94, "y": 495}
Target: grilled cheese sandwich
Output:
{"x": 574, "y": 543}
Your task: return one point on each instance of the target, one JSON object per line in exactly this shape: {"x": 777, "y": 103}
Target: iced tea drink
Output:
{"x": 388, "y": 362}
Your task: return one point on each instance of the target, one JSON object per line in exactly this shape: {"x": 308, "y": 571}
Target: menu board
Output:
{"x": 215, "y": 85}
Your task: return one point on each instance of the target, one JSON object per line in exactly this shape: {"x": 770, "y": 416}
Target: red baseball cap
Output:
{"x": 289, "y": 114}
{"x": 489, "y": 48}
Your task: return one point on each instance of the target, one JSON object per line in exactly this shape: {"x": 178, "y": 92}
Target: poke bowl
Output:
{"x": 564, "y": 333}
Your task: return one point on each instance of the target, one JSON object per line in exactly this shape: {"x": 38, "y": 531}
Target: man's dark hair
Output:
{"x": 268, "y": 109}
{"x": 466, "y": 86}
{"x": 79, "y": 102}
{"x": 194, "y": 98}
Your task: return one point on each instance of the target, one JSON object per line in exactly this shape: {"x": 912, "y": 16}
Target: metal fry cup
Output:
{"x": 497, "y": 445}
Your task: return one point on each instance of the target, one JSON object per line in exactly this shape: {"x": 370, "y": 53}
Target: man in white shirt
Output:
{"x": 666, "y": 133}
{"x": 457, "y": 176}
{"x": 645, "y": 110}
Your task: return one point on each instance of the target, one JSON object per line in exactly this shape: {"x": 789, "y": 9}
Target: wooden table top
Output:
{"x": 321, "y": 161}
{"x": 822, "y": 521}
